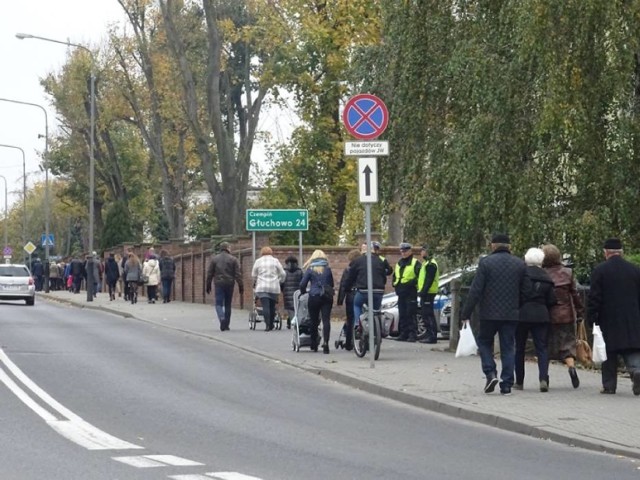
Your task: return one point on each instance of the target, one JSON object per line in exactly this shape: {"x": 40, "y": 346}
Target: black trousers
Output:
{"x": 429, "y": 317}
{"x": 320, "y": 307}
{"x": 348, "y": 324}
{"x": 407, "y": 307}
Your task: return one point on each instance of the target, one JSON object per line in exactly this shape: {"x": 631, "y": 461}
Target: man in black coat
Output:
{"x": 500, "y": 282}
{"x": 224, "y": 270}
{"x": 614, "y": 305}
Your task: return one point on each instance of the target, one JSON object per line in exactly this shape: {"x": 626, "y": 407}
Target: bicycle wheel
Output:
{"x": 377, "y": 336}
{"x": 359, "y": 340}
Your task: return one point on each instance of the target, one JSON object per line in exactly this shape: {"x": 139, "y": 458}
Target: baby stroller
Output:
{"x": 257, "y": 315}
{"x": 301, "y": 323}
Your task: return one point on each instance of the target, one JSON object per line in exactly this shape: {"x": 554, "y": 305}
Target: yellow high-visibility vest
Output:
{"x": 423, "y": 275}
{"x": 408, "y": 275}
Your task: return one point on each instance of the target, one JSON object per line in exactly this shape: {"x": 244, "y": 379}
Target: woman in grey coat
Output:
{"x": 132, "y": 275}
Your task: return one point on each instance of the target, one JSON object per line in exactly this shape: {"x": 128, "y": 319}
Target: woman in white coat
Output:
{"x": 151, "y": 274}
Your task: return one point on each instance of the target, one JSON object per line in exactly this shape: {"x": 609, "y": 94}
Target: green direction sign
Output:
{"x": 283, "y": 220}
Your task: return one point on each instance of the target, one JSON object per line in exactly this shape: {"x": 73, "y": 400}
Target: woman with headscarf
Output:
{"x": 319, "y": 278}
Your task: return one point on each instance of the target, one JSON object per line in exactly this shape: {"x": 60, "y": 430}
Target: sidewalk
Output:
{"x": 425, "y": 376}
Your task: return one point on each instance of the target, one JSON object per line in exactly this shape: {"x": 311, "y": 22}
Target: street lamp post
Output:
{"x": 46, "y": 187}
{"x": 24, "y": 193}
{"x": 6, "y": 216}
{"x": 90, "y": 263}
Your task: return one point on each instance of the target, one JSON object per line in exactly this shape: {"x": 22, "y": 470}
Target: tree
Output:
{"x": 513, "y": 115}
{"x": 117, "y": 226}
{"x": 224, "y": 75}
{"x": 152, "y": 92}
{"x": 315, "y": 65}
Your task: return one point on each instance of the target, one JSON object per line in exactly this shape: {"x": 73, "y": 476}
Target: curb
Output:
{"x": 462, "y": 412}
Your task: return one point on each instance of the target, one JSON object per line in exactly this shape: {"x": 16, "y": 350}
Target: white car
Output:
{"x": 16, "y": 283}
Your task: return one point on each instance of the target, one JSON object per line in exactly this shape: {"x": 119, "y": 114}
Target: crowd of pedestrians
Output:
{"x": 118, "y": 276}
{"x": 513, "y": 298}
{"x": 538, "y": 296}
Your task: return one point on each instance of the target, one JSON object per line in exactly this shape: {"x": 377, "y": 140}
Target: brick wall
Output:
{"x": 192, "y": 259}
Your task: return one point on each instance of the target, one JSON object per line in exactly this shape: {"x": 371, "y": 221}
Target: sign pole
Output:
{"x": 300, "y": 248}
{"x": 253, "y": 248}
{"x": 367, "y": 221}
{"x": 366, "y": 117}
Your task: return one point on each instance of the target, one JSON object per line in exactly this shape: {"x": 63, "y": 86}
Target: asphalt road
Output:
{"x": 196, "y": 407}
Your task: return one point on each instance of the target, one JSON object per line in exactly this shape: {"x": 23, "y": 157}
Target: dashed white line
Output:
{"x": 218, "y": 475}
{"x": 139, "y": 462}
{"x": 232, "y": 476}
{"x": 150, "y": 461}
{"x": 174, "y": 461}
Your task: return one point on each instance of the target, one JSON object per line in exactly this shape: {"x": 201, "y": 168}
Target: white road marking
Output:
{"x": 139, "y": 462}
{"x": 174, "y": 461}
{"x": 190, "y": 477}
{"x": 74, "y": 428}
{"x": 219, "y": 475}
{"x": 148, "y": 461}
{"x": 232, "y": 476}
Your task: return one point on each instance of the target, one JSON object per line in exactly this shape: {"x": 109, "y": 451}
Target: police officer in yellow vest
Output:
{"x": 428, "y": 283}
{"x": 405, "y": 282}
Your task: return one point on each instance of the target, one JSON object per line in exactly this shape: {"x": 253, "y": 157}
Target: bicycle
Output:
{"x": 361, "y": 334}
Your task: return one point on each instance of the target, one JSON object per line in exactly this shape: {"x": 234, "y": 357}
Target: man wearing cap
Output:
{"x": 375, "y": 249}
{"x": 614, "y": 305}
{"x": 224, "y": 270}
{"x": 500, "y": 281}
{"x": 428, "y": 283}
{"x": 405, "y": 282}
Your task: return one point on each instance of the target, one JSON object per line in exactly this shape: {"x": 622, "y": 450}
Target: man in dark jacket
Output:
{"x": 357, "y": 280}
{"x": 78, "y": 272}
{"x": 167, "y": 275}
{"x": 112, "y": 274}
{"x": 500, "y": 282}
{"x": 224, "y": 270}
{"x": 614, "y": 305}
{"x": 37, "y": 270}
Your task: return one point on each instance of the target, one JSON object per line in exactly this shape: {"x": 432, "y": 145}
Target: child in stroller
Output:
{"x": 257, "y": 315}
{"x": 301, "y": 324}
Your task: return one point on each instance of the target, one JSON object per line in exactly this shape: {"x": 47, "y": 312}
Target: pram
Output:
{"x": 301, "y": 323}
{"x": 257, "y": 315}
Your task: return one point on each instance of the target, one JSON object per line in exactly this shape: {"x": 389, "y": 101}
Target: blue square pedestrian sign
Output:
{"x": 44, "y": 240}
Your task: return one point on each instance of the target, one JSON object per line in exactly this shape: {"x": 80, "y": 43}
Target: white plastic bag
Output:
{"x": 467, "y": 344}
{"x": 599, "y": 354}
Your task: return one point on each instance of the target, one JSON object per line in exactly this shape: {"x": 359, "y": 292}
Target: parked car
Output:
{"x": 16, "y": 283}
{"x": 441, "y": 306}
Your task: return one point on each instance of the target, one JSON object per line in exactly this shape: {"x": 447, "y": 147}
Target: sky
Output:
{"x": 25, "y": 62}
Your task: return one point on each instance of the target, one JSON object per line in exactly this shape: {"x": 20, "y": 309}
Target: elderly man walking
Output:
{"x": 500, "y": 281}
{"x": 224, "y": 271}
{"x": 614, "y": 305}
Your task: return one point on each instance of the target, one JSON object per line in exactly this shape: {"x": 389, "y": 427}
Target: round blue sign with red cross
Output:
{"x": 365, "y": 116}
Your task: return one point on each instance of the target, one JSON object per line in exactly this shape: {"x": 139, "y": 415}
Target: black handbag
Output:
{"x": 327, "y": 292}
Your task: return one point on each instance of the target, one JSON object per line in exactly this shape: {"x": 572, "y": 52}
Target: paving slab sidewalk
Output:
{"x": 425, "y": 376}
